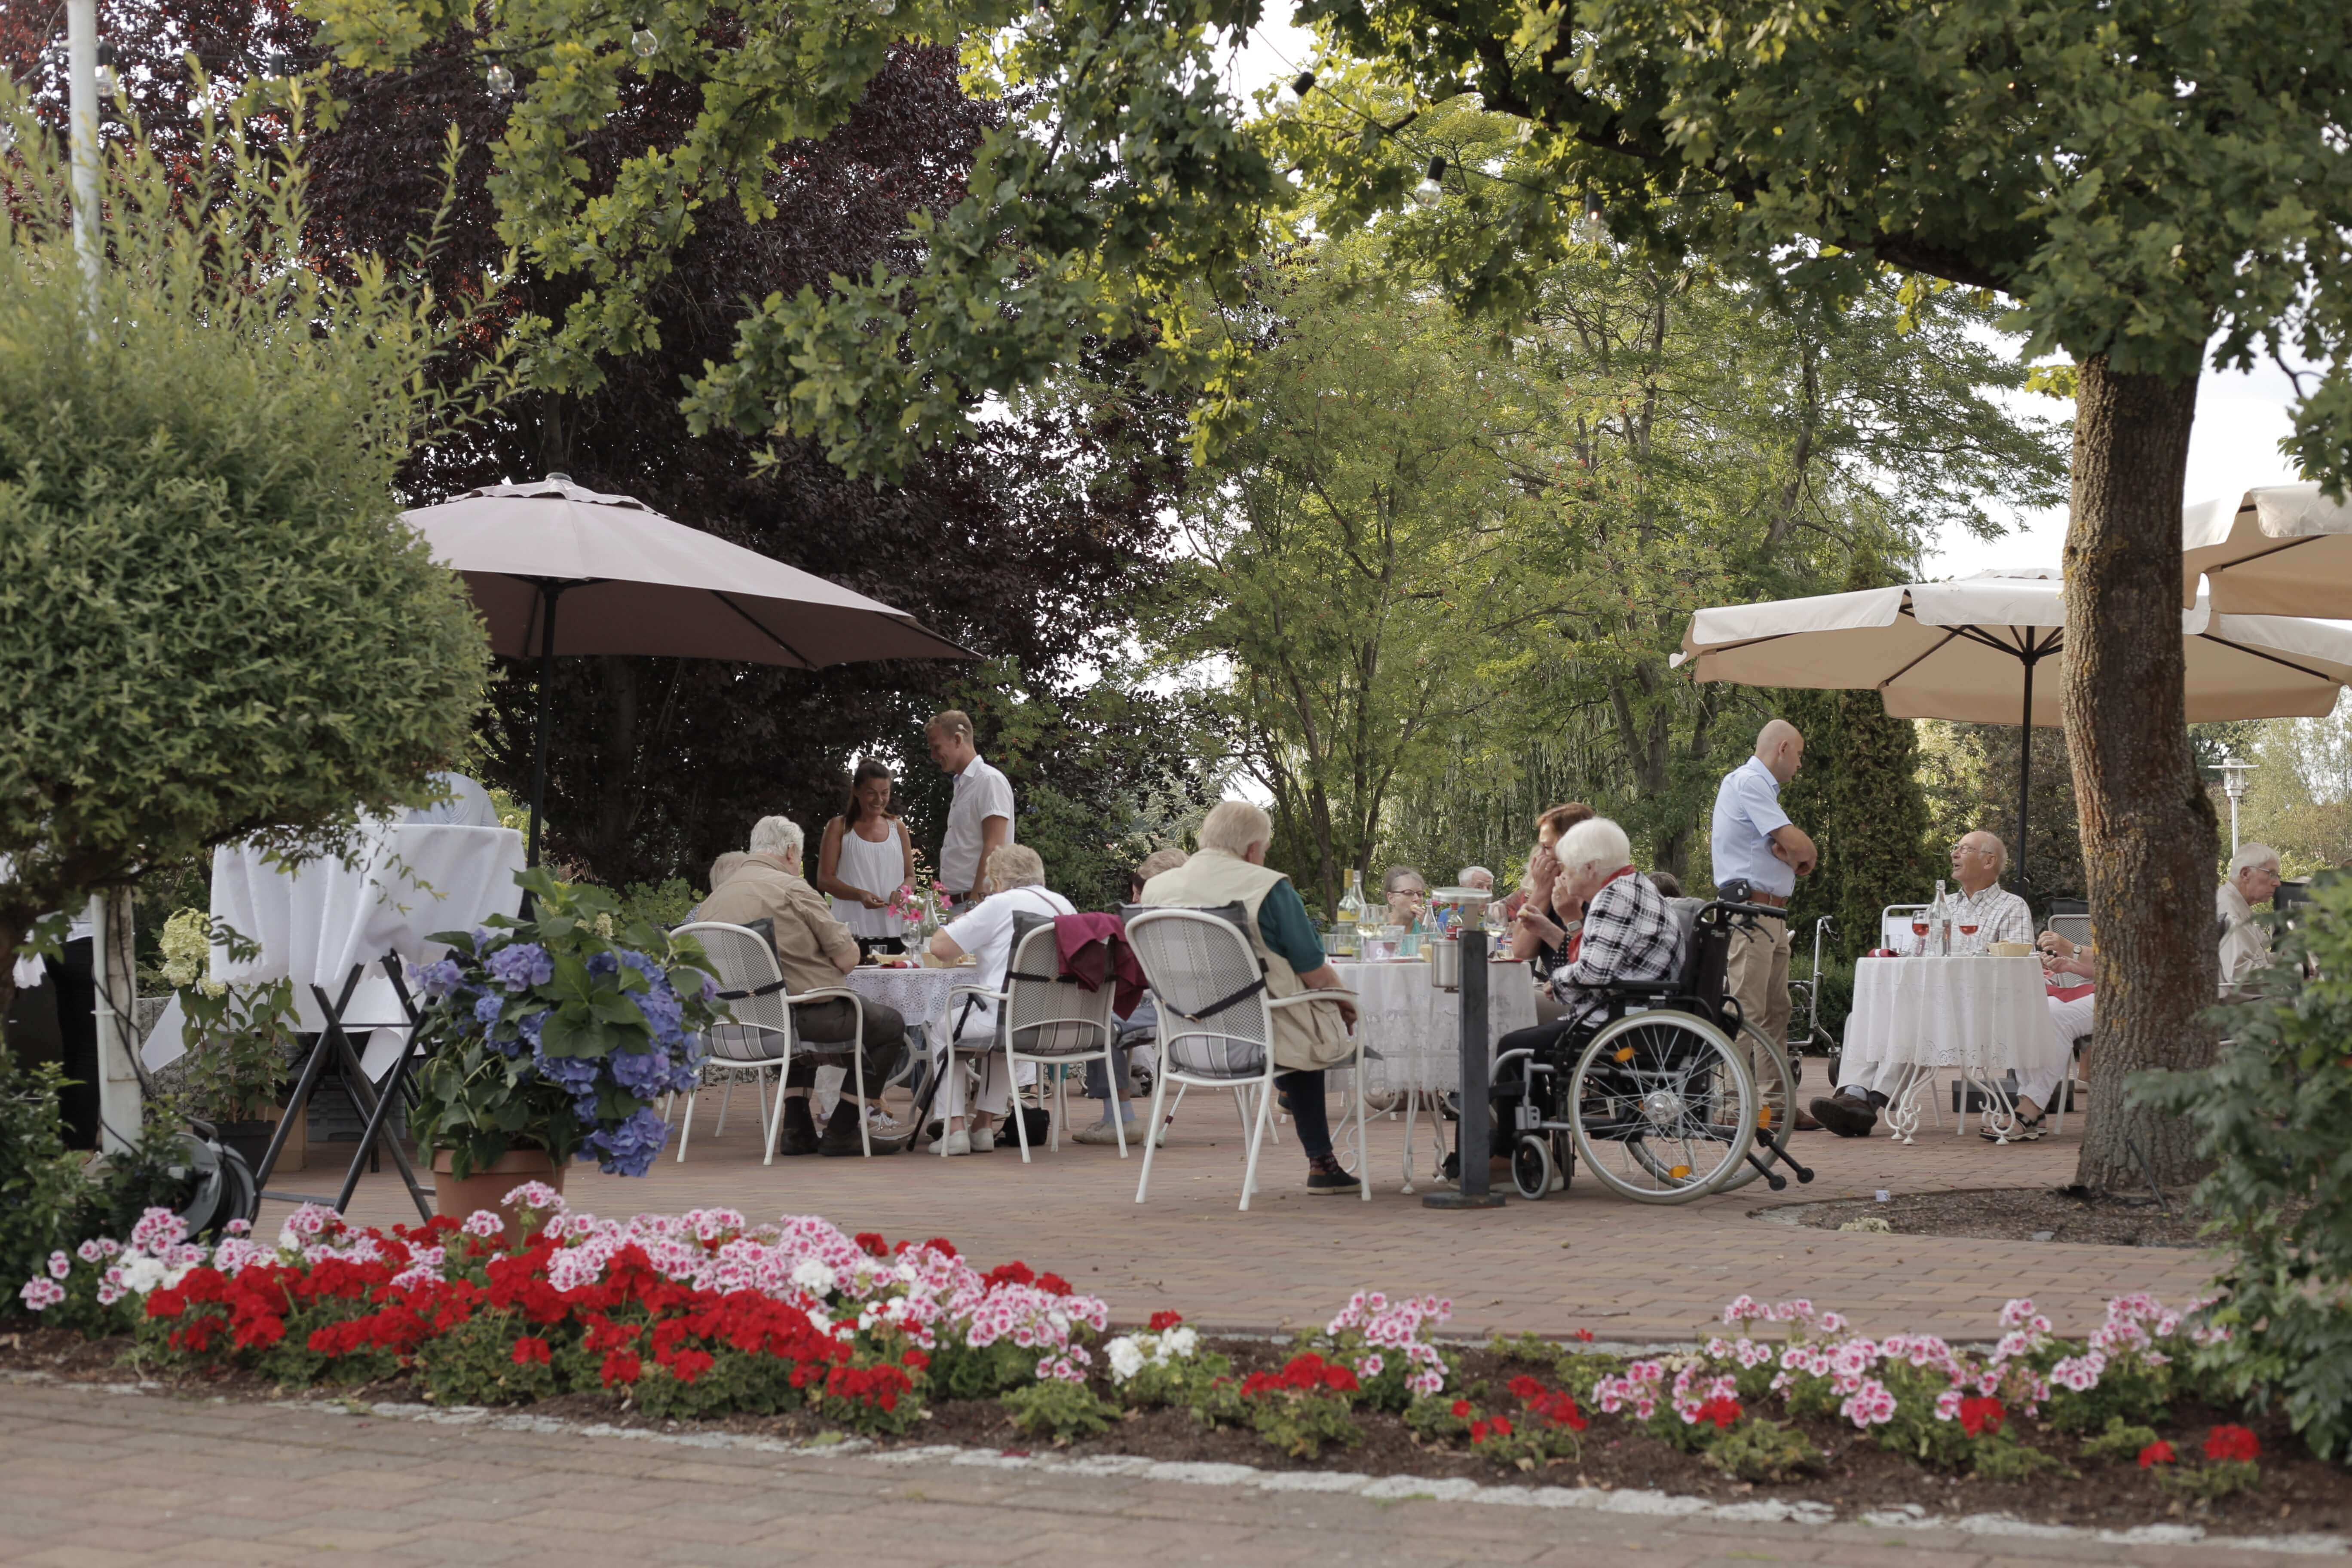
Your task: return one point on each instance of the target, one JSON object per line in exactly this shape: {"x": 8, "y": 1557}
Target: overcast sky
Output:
{"x": 2239, "y": 419}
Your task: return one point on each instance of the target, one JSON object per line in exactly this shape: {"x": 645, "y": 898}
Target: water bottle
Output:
{"x": 1939, "y": 922}
{"x": 1344, "y": 931}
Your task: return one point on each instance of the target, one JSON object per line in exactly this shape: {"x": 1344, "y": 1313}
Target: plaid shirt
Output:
{"x": 1629, "y": 935}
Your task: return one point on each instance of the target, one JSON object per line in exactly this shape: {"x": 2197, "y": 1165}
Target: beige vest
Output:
{"x": 1305, "y": 1038}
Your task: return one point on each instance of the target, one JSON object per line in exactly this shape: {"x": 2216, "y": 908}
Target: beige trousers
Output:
{"x": 1758, "y": 978}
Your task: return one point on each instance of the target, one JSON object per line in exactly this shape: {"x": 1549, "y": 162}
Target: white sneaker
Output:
{"x": 956, "y": 1144}
{"x": 984, "y": 1139}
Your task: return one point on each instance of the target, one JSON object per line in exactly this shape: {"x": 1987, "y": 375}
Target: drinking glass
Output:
{"x": 1920, "y": 930}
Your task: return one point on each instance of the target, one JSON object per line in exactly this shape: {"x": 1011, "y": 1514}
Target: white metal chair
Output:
{"x": 1042, "y": 1018}
{"x": 2075, "y": 929}
{"x": 1216, "y": 1023}
{"x": 759, "y": 1035}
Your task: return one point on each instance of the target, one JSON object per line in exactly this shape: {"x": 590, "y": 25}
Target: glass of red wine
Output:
{"x": 1920, "y": 930}
{"x": 1969, "y": 929}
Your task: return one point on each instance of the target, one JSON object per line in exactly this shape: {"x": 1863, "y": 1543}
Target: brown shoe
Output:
{"x": 1847, "y": 1115}
{"x": 1804, "y": 1123}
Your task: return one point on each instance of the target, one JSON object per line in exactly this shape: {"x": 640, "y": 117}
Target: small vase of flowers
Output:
{"x": 555, "y": 1035}
{"x": 917, "y": 900}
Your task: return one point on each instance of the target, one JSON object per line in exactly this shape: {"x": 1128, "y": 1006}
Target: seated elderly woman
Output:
{"x": 1017, "y": 877}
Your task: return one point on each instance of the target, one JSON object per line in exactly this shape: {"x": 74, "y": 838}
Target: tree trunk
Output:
{"x": 2148, "y": 826}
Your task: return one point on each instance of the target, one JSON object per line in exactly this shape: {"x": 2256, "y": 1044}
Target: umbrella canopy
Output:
{"x": 1970, "y": 649}
{"x": 2282, "y": 550}
{"x": 627, "y": 580}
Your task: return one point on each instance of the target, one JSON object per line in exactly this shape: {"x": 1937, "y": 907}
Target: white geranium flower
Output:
{"x": 1179, "y": 1342}
{"x": 813, "y": 1276}
{"x": 1126, "y": 1357}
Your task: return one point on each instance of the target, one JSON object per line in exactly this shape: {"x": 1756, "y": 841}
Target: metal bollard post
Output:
{"x": 1475, "y": 1137}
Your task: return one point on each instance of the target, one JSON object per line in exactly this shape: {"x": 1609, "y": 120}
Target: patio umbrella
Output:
{"x": 631, "y": 580}
{"x": 1969, "y": 649}
{"x": 2281, "y": 550}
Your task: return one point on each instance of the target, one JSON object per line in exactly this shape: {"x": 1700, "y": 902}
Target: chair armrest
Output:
{"x": 827, "y": 993}
{"x": 1334, "y": 994}
{"x": 1641, "y": 988}
{"x": 956, "y": 991}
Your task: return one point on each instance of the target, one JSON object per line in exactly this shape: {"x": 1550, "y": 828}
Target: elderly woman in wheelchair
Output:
{"x": 1646, "y": 1078}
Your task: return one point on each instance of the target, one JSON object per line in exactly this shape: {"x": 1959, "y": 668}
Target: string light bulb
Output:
{"x": 500, "y": 80}
{"x": 645, "y": 41}
{"x": 1429, "y": 192}
{"x": 1592, "y": 224}
{"x": 882, "y": 8}
{"x": 1305, "y": 84}
{"x": 110, "y": 80}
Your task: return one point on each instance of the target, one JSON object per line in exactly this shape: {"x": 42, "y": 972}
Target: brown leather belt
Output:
{"x": 1776, "y": 900}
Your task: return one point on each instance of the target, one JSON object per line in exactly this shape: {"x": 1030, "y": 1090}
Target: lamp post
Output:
{"x": 2234, "y": 784}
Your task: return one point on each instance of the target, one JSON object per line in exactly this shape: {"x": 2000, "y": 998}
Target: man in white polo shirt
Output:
{"x": 1758, "y": 854}
{"x": 980, "y": 815}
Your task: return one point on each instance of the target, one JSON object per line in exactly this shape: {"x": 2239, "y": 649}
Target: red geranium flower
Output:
{"x": 1461, "y": 1408}
{"x": 1978, "y": 1416}
{"x": 1162, "y": 1322}
{"x": 870, "y": 1242}
{"x": 2232, "y": 1443}
{"x": 2157, "y": 1453}
{"x": 1584, "y": 1336}
{"x": 622, "y": 1366}
{"x": 530, "y": 1348}
{"x": 1724, "y": 1412}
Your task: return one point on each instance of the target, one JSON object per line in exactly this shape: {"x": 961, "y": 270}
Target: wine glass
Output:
{"x": 1920, "y": 930}
{"x": 1967, "y": 933}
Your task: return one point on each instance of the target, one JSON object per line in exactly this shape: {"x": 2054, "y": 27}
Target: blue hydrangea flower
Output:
{"x": 530, "y": 1023}
{"x": 577, "y": 1074}
{"x": 438, "y": 980}
{"x": 521, "y": 966}
{"x": 644, "y": 965}
{"x": 661, "y": 1012}
{"x": 486, "y": 1010}
{"x": 603, "y": 963}
{"x": 629, "y": 1148}
{"x": 643, "y": 1073}
{"x": 709, "y": 989}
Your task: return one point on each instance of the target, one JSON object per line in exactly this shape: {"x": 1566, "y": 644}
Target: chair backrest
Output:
{"x": 2075, "y": 929}
{"x": 1895, "y": 926}
{"x": 1213, "y": 1017}
{"x": 1707, "y": 955}
{"x": 1043, "y": 1014}
{"x": 745, "y": 960}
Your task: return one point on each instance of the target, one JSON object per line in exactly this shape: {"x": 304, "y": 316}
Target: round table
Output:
{"x": 921, "y": 995}
{"x": 1983, "y": 1016}
{"x": 1412, "y": 1031}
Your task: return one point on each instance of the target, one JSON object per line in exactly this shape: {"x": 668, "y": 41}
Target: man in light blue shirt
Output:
{"x": 1758, "y": 854}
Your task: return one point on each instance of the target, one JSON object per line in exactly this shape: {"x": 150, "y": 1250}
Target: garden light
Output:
{"x": 1429, "y": 193}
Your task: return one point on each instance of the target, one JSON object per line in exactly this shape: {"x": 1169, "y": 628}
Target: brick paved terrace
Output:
{"x": 1582, "y": 1258}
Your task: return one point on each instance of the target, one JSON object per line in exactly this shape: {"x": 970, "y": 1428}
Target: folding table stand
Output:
{"x": 376, "y": 1105}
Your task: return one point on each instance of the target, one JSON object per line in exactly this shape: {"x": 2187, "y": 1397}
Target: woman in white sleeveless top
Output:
{"x": 867, "y": 857}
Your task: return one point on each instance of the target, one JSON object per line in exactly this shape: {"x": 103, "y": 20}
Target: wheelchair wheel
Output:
{"x": 1531, "y": 1166}
{"x": 1661, "y": 1106}
{"x": 1775, "y": 1101}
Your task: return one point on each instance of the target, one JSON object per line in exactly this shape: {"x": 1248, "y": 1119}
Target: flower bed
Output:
{"x": 704, "y": 1316}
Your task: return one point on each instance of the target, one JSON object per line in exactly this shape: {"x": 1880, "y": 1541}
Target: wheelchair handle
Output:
{"x": 1747, "y": 912}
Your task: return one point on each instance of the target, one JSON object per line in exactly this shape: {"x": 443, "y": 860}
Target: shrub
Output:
{"x": 2273, "y": 1115}
{"x": 42, "y": 1190}
{"x": 1058, "y": 1410}
{"x": 2121, "y": 1442}
{"x": 215, "y": 624}
{"x": 1760, "y": 1451}
{"x": 1310, "y": 1402}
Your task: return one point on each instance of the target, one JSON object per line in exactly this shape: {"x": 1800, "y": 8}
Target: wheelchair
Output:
{"x": 1661, "y": 1101}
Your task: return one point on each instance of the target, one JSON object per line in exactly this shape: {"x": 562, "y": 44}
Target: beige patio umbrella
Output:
{"x": 2280, "y": 550}
{"x": 1969, "y": 649}
{"x": 631, "y": 580}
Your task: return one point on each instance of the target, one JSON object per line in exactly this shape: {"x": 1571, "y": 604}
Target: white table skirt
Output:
{"x": 315, "y": 922}
{"x": 1416, "y": 1030}
{"x": 921, "y": 995}
{"x": 1982, "y": 1018}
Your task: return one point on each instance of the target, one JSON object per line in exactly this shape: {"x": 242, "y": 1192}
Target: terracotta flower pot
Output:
{"x": 458, "y": 1196}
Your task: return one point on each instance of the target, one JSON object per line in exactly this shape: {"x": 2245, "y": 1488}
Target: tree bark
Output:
{"x": 2148, "y": 826}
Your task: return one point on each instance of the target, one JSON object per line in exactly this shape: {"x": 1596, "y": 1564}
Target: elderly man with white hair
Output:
{"x": 1996, "y": 913}
{"x": 1230, "y": 869}
{"x": 814, "y": 950}
{"x": 2245, "y": 943}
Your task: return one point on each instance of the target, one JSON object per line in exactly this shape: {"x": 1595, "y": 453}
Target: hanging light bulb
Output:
{"x": 1592, "y": 224}
{"x": 1526, "y": 130}
{"x": 645, "y": 41}
{"x": 500, "y": 80}
{"x": 7, "y": 136}
{"x": 882, "y": 8}
{"x": 1305, "y": 84}
{"x": 110, "y": 80}
{"x": 1429, "y": 193}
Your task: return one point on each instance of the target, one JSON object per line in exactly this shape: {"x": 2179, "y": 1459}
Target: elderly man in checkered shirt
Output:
{"x": 1629, "y": 933}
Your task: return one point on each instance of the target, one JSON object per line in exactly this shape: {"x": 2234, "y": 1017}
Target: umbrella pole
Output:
{"x": 548, "y": 593}
{"x": 2024, "y": 769}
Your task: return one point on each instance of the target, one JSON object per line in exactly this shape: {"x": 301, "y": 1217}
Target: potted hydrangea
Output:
{"x": 553, "y": 1038}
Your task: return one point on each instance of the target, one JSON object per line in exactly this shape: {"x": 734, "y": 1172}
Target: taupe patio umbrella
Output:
{"x": 2279, "y": 550}
{"x": 1968, "y": 649}
{"x": 631, "y": 580}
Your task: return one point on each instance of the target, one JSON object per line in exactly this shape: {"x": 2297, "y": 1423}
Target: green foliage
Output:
{"x": 2120, "y": 1442}
{"x": 664, "y": 905}
{"x": 2273, "y": 1116}
{"x": 1969, "y": 773}
{"x": 42, "y": 1189}
{"x": 962, "y": 1371}
{"x": 214, "y": 626}
{"x": 1301, "y": 1424}
{"x": 2207, "y": 1482}
{"x": 1052, "y": 1408}
{"x": 1755, "y": 1449}
{"x": 484, "y": 1088}
{"x": 474, "y": 1364}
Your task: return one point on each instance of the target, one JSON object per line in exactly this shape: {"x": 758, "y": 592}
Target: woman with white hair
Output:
{"x": 1016, "y": 878}
{"x": 1230, "y": 869}
{"x": 1629, "y": 933}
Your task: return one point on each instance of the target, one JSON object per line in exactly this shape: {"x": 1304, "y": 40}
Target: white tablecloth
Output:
{"x": 1982, "y": 1017}
{"x": 921, "y": 995}
{"x": 1417, "y": 1030}
{"x": 405, "y": 882}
